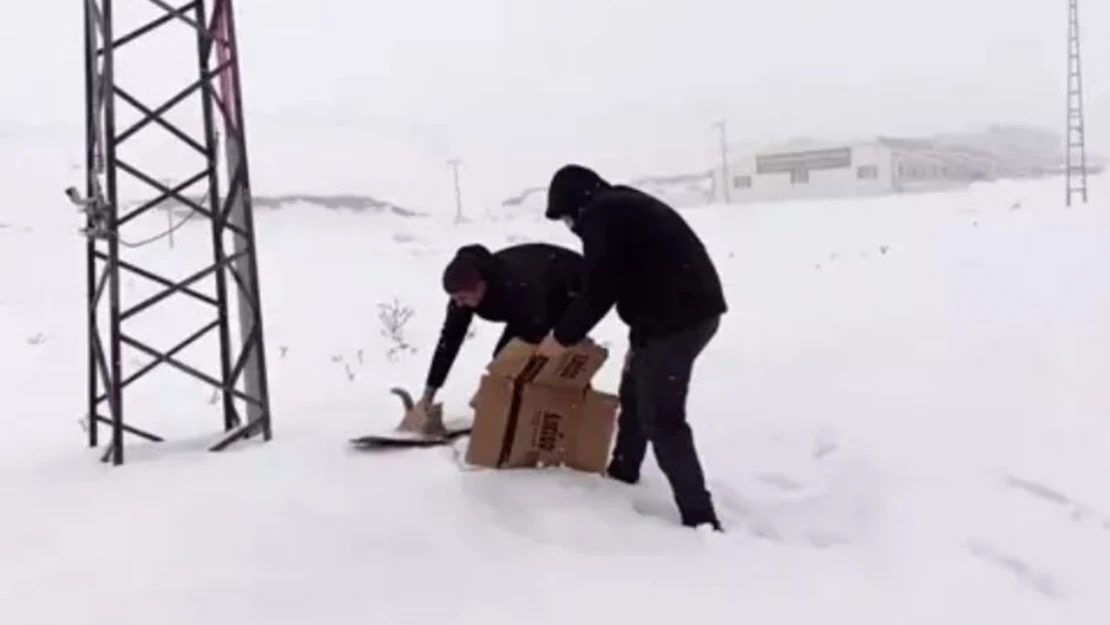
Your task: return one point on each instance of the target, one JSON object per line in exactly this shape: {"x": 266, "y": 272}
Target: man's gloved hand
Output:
{"x": 428, "y": 397}
{"x": 550, "y": 348}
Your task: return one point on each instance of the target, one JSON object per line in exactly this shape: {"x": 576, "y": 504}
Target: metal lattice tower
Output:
{"x": 1076, "y": 139}
{"x": 212, "y": 75}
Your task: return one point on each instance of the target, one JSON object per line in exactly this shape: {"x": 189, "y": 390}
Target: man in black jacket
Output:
{"x": 526, "y": 286}
{"x": 642, "y": 256}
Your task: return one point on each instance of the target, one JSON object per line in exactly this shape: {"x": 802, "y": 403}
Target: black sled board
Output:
{"x": 392, "y": 438}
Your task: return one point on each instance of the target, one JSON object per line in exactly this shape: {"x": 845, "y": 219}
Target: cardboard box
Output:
{"x": 530, "y": 412}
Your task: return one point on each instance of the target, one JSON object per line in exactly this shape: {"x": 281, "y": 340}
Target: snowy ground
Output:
{"x": 904, "y": 419}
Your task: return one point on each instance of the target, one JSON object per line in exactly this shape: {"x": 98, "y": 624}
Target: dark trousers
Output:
{"x": 653, "y": 394}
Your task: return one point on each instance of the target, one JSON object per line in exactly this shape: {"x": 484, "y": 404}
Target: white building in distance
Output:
{"x": 860, "y": 169}
{"x": 883, "y": 165}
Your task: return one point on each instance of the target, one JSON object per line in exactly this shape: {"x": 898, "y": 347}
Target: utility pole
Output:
{"x": 722, "y": 127}
{"x": 454, "y": 165}
{"x": 1076, "y": 166}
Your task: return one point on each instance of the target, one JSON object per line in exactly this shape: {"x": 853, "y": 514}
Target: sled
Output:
{"x": 416, "y": 429}
{"x": 396, "y": 438}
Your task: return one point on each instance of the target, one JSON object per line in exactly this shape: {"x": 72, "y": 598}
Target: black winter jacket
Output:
{"x": 642, "y": 256}
{"x": 528, "y": 287}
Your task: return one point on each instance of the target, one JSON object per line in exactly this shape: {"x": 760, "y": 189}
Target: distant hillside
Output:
{"x": 1022, "y": 151}
{"x": 352, "y": 202}
{"x": 680, "y": 190}
{"x": 357, "y": 203}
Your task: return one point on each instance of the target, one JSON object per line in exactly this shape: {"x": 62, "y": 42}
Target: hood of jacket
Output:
{"x": 572, "y": 188}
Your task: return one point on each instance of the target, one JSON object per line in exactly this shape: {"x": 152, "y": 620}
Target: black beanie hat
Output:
{"x": 571, "y": 189}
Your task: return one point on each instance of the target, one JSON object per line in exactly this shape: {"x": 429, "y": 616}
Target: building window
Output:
{"x": 837, "y": 158}
{"x": 799, "y": 176}
{"x": 741, "y": 182}
{"x": 867, "y": 172}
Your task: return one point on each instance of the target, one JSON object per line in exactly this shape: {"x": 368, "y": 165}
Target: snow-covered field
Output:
{"x": 904, "y": 419}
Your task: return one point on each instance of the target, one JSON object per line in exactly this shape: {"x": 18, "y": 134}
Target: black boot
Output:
{"x": 700, "y": 519}
{"x": 622, "y": 471}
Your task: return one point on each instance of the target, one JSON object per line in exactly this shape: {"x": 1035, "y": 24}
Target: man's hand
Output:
{"x": 550, "y": 348}
{"x": 428, "y": 398}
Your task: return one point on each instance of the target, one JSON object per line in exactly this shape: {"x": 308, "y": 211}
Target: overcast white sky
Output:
{"x": 522, "y": 85}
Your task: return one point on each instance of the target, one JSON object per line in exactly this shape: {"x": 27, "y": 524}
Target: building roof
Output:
{"x": 803, "y": 144}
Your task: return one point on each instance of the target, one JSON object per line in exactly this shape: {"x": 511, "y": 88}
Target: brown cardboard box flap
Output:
{"x": 589, "y": 441}
{"x": 574, "y": 369}
{"x": 492, "y": 419}
{"x": 513, "y": 360}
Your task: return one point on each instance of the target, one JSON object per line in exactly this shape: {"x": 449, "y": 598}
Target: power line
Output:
{"x": 158, "y": 237}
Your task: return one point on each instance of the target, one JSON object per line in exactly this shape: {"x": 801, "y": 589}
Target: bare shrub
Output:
{"x": 393, "y": 316}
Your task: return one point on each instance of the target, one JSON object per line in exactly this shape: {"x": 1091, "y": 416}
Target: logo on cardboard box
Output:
{"x": 573, "y": 366}
{"x": 548, "y": 431}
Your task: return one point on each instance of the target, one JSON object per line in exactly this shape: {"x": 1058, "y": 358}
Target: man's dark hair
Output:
{"x": 461, "y": 274}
